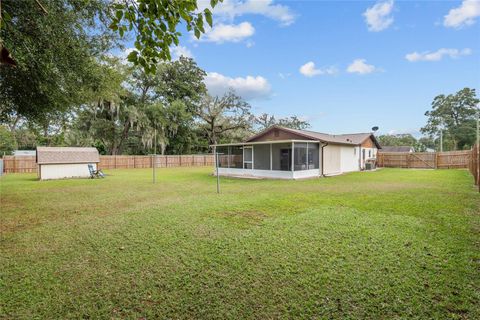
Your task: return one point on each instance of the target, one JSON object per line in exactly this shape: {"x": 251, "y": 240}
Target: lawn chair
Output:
{"x": 95, "y": 173}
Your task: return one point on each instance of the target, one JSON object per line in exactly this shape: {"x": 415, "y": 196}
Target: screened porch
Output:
{"x": 284, "y": 159}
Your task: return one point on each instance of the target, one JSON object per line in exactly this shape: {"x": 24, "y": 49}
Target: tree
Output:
{"x": 455, "y": 116}
{"x": 55, "y": 51}
{"x": 294, "y": 122}
{"x": 7, "y": 141}
{"x": 405, "y": 139}
{"x": 155, "y": 24}
{"x": 133, "y": 109}
{"x": 265, "y": 121}
{"x": 221, "y": 115}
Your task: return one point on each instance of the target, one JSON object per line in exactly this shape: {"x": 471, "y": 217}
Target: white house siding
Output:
{"x": 61, "y": 171}
{"x": 275, "y": 174}
{"x": 371, "y": 151}
{"x": 332, "y": 158}
{"x": 349, "y": 160}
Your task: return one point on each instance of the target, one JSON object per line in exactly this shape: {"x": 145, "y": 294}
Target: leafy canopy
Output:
{"x": 454, "y": 115}
{"x": 155, "y": 25}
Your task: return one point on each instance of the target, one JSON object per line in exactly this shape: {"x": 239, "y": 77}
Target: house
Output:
{"x": 285, "y": 153}
{"x": 63, "y": 162}
{"x": 398, "y": 149}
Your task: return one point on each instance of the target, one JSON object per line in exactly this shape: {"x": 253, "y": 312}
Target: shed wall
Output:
{"x": 61, "y": 171}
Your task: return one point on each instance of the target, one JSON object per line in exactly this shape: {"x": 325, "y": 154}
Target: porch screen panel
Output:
{"x": 313, "y": 155}
{"x": 236, "y": 157}
{"x": 282, "y": 156}
{"x": 261, "y": 157}
{"x": 247, "y": 153}
{"x": 300, "y": 157}
{"x": 222, "y": 157}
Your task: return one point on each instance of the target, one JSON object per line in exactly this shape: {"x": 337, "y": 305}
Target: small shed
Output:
{"x": 65, "y": 162}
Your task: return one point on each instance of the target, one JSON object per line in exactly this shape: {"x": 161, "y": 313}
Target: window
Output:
{"x": 369, "y": 153}
{"x": 261, "y": 155}
{"x": 355, "y": 151}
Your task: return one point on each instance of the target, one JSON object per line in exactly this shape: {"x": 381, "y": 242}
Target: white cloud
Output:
{"x": 360, "y": 66}
{"x": 309, "y": 70}
{"x": 249, "y": 87}
{"x": 179, "y": 51}
{"x": 379, "y": 17}
{"x": 229, "y": 9}
{"x": 464, "y": 15}
{"x": 228, "y": 32}
{"x": 437, "y": 55}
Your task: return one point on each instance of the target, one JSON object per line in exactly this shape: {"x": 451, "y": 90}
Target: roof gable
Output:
{"x": 276, "y": 133}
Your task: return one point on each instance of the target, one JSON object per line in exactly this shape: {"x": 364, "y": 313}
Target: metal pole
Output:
{"x": 154, "y": 154}
{"x": 218, "y": 176}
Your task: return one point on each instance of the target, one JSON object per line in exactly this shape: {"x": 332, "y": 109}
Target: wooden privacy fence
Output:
{"x": 27, "y": 164}
{"x": 425, "y": 160}
{"x": 130, "y": 162}
{"x": 474, "y": 165}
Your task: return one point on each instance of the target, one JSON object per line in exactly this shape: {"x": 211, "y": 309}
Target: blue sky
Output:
{"x": 356, "y": 72}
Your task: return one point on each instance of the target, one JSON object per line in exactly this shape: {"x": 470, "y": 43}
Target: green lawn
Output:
{"x": 388, "y": 244}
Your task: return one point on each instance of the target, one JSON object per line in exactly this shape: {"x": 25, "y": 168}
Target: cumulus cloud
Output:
{"x": 437, "y": 55}
{"x": 228, "y": 32}
{"x": 379, "y": 16}
{"x": 309, "y": 70}
{"x": 464, "y": 15}
{"x": 249, "y": 87}
{"x": 229, "y": 9}
{"x": 179, "y": 51}
{"x": 360, "y": 66}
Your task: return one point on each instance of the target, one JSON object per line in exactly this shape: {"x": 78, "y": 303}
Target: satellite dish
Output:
{"x": 374, "y": 128}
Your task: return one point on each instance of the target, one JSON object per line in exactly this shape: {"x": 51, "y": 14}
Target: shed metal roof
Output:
{"x": 65, "y": 155}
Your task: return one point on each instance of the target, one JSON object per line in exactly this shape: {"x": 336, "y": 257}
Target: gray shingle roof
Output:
{"x": 57, "y": 155}
{"x": 351, "y": 138}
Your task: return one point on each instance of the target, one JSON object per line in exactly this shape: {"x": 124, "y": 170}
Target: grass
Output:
{"x": 388, "y": 244}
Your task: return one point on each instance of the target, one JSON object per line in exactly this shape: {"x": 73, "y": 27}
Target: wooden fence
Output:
{"x": 27, "y": 164}
{"x": 474, "y": 165}
{"x": 425, "y": 160}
